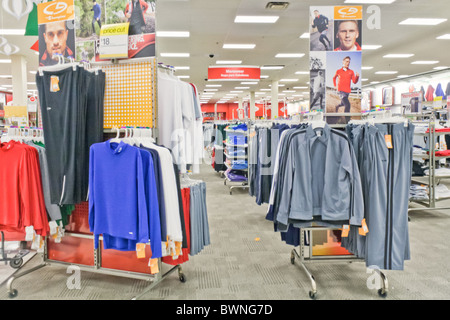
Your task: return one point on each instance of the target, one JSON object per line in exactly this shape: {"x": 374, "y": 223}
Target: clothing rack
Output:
{"x": 305, "y": 256}
{"x": 77, "y": 238}
{"x": 433, "y": 180}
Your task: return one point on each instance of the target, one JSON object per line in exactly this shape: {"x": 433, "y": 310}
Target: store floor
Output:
{"x": 248, "y": 260}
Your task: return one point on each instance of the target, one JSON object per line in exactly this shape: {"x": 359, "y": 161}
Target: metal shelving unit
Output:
{"x": 433, "y": 180}
{"x": 227, "y": 180}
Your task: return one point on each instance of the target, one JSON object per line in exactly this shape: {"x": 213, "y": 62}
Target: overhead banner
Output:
{"x": 233, "y": 73}
{"x": 335, "y": 60}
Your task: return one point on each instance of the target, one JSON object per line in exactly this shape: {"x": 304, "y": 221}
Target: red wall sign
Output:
{"x": 231, "y": 73}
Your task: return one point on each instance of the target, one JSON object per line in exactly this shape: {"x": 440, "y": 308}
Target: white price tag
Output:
{"x": 114, "y": 41}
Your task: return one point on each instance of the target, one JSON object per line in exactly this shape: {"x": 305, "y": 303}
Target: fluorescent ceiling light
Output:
{"x": 305, "y": 35}
{"x": 288, "y": 90}
{"x": 175, "y": 55}
{"x": 213, "y": 85}
{"x": 272, "y": 67}
{"x": 31, "y": 83}
{"x": 237, "y": 91}
{"x": 5, "y": 76}
{"x": 364, "y": 79}
{"x": 422, "y": 21}
{"x": 386, "y": 72}
{"x": 228, "y": 61}
{"x": 288, "y": 80}
{"x": 300, "y": 87}
{"x": 179, "y": 34}
{"x": 289, "y": 55}
{"x": 211, "y": 89}
{"x": 440, "y": 68}
{"x": 370, "y": 1}
{"x": 242, "y": 88}
{"x": 33, "y": 72}
{"x": 2, "y": 88}
{"x": 183, "y": 77}
{"x": 403, "y": 76}
{"x": 182, "y": 68}
{"x": 238, "y": 46}
{"x": 297, "y": 95}
{"x": 398, "y": 55}
{"x": 256, "y": 19}
{"x": 366, "y": 68}
{"x": 264, "y": 76}
{"x": 266, "y": 89}
{"x": 302, "y": 72}
{"x": 250, "y": 82}
{"x": 375, "y": 82}
{"x": 12, "y": 32}
{"x": 444, "y": 37}
{"x": 5, "y": 60}
{"x": 371, "y": 46}
{"x": 7, "y": 85}
{"x": 424, "y": 62}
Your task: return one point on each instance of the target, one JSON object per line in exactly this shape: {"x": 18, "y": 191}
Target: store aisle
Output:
{"x": 248, "y": 260}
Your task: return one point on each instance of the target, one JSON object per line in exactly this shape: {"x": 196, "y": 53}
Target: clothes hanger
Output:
{"x": 117, "y": 138}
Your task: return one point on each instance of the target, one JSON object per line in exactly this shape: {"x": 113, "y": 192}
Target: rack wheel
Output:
{"x": 313, "y": 295}
{"x": 16, "y": 263}
{"x": 182, "y": 277}
{"x": 382, "y": 293}
{"x": 13, "y": 293}
{"x": 231, "y": 193}
{"x": 292, "y": 258}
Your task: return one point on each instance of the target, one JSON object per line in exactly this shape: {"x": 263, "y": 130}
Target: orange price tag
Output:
{"x": 153, "y": 264}
{"x": 364, "y": 229}
{"x": 345, "y": 230}
{"x": 140, "y": 250}
{"x": 388, "y": 139}
{"x": 54, "y": 83}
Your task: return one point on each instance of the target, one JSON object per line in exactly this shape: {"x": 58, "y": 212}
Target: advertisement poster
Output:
{"x": 92, "y": 15}
{"x": 16, "y": 116}
{"x": 335, "y": 61}
{"x": 72, "y": 28}
{"x": 56, "y": 20}
{"x": 411, "y": 102}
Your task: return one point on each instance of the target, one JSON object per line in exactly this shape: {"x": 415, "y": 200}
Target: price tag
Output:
{"x": 345, "y": 231}
{"x": 114, "y": 41}
{"x": 388, "y": 139}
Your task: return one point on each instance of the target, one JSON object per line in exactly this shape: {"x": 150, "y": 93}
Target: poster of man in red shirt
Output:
{"x": 343, "y": 84}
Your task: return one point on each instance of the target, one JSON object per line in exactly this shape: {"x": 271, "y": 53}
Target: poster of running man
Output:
{"x": 335, "y": 61}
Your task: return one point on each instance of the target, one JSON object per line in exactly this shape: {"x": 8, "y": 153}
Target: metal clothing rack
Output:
{"x": 433, "y": 180}
{"x": 96, "y": 268}
{"x": 306, "y": 256}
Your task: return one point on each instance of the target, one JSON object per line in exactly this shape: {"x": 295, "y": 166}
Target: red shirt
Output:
{"x": 21, "y": 197}
{"x": 345, "y": 79}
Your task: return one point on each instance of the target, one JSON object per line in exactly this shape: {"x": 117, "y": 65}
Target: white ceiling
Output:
{"x": 211, "y": 24}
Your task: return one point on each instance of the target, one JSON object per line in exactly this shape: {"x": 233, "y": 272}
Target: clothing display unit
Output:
{"x": 159, "y": 238}
{"x": 429, "y": 182}
{"x": 236, "y": 156}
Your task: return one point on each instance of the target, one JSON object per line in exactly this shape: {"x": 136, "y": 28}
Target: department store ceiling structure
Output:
{"x": 210, "y": 24}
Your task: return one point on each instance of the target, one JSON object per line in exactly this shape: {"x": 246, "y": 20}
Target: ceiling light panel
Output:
{"x": 173, "y": 34}
{"x": 228, "y": 61}
{"x": 238, "y": 46}
{"x": 175, "y": 55}
{"x": 424, "y": 62}
{"x": 422, "y": 21}
{"x": 444, "y": 37}
{"x": 289, "y": 55}
{"x": 256, "y": 19}
{"x": 398, "y": 55}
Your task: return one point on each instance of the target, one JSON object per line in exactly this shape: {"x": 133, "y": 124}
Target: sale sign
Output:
{"x": 233, "y": 73}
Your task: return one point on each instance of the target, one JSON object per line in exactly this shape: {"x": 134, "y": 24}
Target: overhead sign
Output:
{"x": 233, "y": 73}
{"x": 114, "y": 41}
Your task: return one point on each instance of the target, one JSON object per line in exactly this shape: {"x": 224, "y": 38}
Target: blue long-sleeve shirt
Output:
{"x": 117, "y": 193}
{"x": 97, "y": 11}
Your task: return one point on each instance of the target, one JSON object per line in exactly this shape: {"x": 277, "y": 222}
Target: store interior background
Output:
{"x": 210, "y": 24}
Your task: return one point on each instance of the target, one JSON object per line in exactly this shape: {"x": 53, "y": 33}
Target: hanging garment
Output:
{"x": 429, "y": 95}
{"x": 22, "y": 203}
{"x": 71, "y": 103}
{"x": 386, "y": 178}
{"x": 123, "y": 203}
